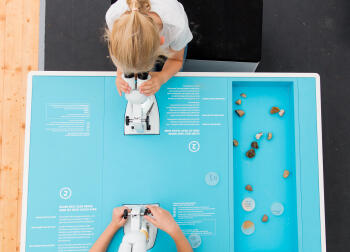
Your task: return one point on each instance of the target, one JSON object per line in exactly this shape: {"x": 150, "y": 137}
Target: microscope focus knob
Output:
{"x": 147, "y": 211}
{"x": 125, "y": 215}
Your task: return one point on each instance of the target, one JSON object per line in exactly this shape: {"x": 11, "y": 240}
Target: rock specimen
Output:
{"x": 265, "y": 218}
{"x": 249, "y": 188}
{"x": 274, "y": 110}
{"x": 269, "y": 136}
{"x": 240, "y": 112}
{"x": 286, "y": 174}
{"x": 255, "y": 145}
{"x": 259, "y": 135}
{"x": 250, "y": 153}
{"x": 282, "y": 112}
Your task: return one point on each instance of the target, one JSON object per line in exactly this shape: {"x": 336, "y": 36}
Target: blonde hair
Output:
{"x": 134, "y": 41}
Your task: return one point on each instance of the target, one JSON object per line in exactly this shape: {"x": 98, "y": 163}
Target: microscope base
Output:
{"x": 144, "y": 124}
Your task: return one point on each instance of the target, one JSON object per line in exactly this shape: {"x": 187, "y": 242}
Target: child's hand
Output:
{"x": 163, "y": 220}
{"x": 152, "y": 86}
{"x": 122, "y": 85}
{"x": 117, "y": 218}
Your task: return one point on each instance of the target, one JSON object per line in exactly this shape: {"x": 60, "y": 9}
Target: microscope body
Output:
{"x": 139, "y": 234}
{"x": 142, "y": 115}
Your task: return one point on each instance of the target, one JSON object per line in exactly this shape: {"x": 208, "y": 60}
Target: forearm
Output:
{"x": 119, "y": 72}
{"x": 182, "y": 244}
{"x": 103, "y": 241}
{"x": 170, "y": 68}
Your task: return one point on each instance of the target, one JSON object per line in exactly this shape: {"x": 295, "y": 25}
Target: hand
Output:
{"x": 122, "y": 85}
{"x": 163, "y": 220}
{"x": 117, "y": 218}
{"x": 152, "y": 86}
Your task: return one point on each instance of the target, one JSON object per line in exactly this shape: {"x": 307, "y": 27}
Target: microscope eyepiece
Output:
{"x": 129, "y": 75}
{"x": 142, "y": 76}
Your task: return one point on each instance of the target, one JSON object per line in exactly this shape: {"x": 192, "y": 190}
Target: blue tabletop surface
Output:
{"x": 81, "y": 165}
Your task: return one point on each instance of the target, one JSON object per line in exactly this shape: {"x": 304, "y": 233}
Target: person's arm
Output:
{"x": 117, "y": 222}
{"x": 163, "y": 220}
{"x": 182, "y": 244}
{"x": 171, "y": 67}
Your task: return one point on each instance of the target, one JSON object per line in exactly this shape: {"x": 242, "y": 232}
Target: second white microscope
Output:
{"x": 139, "y": 234}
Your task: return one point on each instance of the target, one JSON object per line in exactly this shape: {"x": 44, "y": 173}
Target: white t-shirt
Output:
{"x": 175, "y": 30}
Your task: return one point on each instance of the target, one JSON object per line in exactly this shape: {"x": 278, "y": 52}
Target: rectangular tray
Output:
{"x": 294, "y": 147}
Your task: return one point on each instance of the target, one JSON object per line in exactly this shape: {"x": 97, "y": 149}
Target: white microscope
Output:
{"x": 142, "y": 114}
{"x": 139, "y": 234}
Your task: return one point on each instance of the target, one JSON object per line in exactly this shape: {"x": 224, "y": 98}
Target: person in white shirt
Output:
{"x": 139, "y": 31}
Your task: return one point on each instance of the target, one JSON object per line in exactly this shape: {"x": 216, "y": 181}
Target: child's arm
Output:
{"x": 163, "y": 220}
{"x": 171, "y": 67}
{"x": 121, "y": 84}
{"x": 117, "y": 222}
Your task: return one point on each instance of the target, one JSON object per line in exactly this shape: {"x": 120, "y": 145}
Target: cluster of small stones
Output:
{"x": 275, "y": 110}
{"x": 254, "y": 145}
{"x": 240, "y": 112}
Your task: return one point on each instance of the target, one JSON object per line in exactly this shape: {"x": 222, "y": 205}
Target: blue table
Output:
{"x": 79, "y": 165}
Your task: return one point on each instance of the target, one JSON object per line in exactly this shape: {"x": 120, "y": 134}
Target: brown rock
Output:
{"x": 269, "y": 136}
{"x": 235, "y": 143}
{"x": 255, "y": 145}
{"x": 243, "y": 95}
{"x": 240, "y": 112}
{"x": 249, "y": 188}
{"x": 274, "y": 110}
{"x": 265, "y": 218}
{"x": 239, "y": 102}
{"x": 286, "y": 174}
{"x": 250, "y": 153}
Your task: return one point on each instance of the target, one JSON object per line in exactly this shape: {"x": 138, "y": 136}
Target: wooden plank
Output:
{"x": 2, "y": 72}
{"x": 19, "y": 37}
{"x": 30, "y": 45}
{"x": 10, "y": 124}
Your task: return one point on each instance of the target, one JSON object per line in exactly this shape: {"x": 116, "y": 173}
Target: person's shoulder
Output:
{"x": 165, "y": 1}
{"x": 115, "y": 11}
{"x": 170, "y": 11}
{"x": 173, "y": 5}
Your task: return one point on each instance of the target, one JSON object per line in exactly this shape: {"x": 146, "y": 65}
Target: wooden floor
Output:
{"x": 19, "y": 39}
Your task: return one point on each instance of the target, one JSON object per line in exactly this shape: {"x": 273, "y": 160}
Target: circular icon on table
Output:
{"x": 248, "y": 227}
{"x": 195, "y": 240}
{"x": 194, "y": 146}
{"x": 212, "y": 178}
{"x": 277, "y": 209}
{"x": 248, "y": 204}
{"x": 65, "y": 193}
